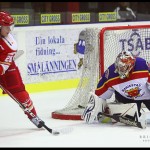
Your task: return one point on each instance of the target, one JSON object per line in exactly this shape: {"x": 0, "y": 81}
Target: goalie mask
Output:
{"x": 124, "y": 64}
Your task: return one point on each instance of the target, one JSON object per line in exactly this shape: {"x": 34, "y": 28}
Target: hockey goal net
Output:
{"x": 88, "y": 81}
{"x": 101, "y": 48}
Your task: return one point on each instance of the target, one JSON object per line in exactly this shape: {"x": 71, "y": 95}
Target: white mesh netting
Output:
{"x": 88, "y": 81}
{"x": 132, "y": 38}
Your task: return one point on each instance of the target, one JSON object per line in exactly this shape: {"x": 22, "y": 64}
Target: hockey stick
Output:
{"x": 28, "y": 111}
{"x": 124, "y": 120}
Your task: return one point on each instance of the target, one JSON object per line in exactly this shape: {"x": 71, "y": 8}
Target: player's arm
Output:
{"x": 5, "y": 62}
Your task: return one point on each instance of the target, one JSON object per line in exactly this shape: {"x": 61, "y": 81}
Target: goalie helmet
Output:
{"x": 124, "y": 64}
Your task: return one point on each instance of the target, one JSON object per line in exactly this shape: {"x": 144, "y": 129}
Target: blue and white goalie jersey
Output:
{"x": 135, "y": 87}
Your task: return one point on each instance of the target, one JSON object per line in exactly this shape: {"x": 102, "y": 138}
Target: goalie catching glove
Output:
{"x": 94, "y": 106}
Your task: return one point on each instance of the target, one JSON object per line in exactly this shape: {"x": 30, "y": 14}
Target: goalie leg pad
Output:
{"x": 129, "y": 111}
{"x": 123, "y": 109}
{"x": 94, "y": 106}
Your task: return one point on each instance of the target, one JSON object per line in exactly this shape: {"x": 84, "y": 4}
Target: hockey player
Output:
{"x": 10, "y": 78}
{"x": 129, "y": 78}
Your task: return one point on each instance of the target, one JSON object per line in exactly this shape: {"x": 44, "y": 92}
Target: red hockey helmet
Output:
{"x": 6, "y": 19}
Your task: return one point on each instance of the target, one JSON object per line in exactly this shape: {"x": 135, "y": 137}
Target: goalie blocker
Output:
{"x": 97, "y": 110}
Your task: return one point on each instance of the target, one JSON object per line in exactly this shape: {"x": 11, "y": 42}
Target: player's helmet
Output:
{"x": 6, "y": 19}
{"x": 124, "y": 64}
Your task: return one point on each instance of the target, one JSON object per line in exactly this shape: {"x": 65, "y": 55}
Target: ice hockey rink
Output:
{"x": 17, "y": 131}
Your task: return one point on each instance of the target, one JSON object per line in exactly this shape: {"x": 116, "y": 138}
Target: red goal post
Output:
{"x": 102, "y": 47}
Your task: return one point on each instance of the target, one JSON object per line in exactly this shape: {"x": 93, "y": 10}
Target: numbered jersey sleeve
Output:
{"x": 8, "y": 48}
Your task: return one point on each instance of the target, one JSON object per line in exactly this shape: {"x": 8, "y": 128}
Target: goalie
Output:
{"x": 129, "y": 78}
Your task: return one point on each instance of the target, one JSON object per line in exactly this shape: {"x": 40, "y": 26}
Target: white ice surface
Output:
{"x": 17, "y": 131}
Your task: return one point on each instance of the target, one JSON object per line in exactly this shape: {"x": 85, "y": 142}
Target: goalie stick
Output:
{"x": 124, "y": 120}
{"x": 28, "y": 111}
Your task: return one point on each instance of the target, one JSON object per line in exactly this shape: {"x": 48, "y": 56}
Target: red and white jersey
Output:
{"x": 8, "y": 48}
{"x": 135, "y": 87}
